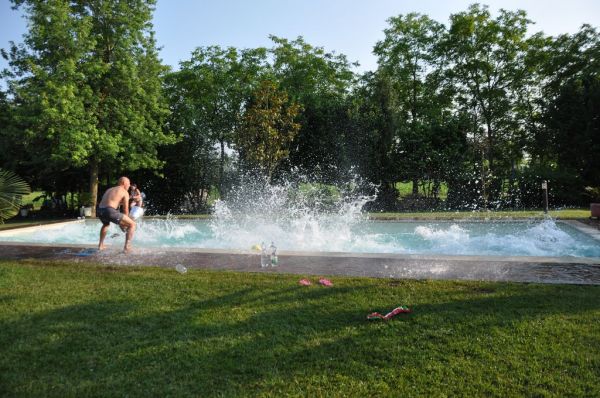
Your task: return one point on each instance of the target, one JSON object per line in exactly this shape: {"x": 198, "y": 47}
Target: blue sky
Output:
{"x": 350, "y": 27}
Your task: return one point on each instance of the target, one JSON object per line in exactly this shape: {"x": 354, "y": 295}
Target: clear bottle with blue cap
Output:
{"x": 273, "y": 254}
{"x": 264, "y": 257}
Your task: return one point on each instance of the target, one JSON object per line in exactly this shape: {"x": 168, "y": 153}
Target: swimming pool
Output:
{"x": 547, "y": 238}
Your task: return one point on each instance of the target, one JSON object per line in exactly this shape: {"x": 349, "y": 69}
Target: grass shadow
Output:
{"x": 201, "y": 338}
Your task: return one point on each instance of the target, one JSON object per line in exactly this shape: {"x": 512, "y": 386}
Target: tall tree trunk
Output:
{"x": 221, "y": 167}
{"x": 490, "y": 146}
{"x": 413, "y": 112}
{"x": 435, "y": 191}
{"x": 511, "y": 181}
{"x": 492, "y": 192}
{"x": 483, "y": 181}
{"x": 415, "y": 186}
{"x": 94, "y": 167}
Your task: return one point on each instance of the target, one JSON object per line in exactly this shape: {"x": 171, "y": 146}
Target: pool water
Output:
{"x": 535, "y": 238}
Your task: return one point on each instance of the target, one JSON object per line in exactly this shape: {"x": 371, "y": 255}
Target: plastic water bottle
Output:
{"x": 274, "y": 259}
{"x": 264, "y": 258}
{"x": 181, "y": 269}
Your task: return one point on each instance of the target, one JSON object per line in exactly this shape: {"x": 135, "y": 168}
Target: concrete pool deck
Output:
{"x": 569, "y": 270}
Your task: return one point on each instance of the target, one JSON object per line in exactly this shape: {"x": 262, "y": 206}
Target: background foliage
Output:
{"x": 474, "y": 113}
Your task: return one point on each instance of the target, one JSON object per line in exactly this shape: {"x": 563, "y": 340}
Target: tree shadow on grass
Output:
{"x": 102, "y": 347}
{"x": 249, "y": 341}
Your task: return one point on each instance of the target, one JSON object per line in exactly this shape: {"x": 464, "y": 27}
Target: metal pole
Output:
{"x": 545, "y": 188}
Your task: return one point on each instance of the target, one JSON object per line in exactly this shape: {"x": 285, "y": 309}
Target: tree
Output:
{"x": 408, "y": 56}
{"x": 487, "y": 66}
{"x": 6, "y": 131}
{"x": 89, "y": 78}
{"x": 380, "y": 103}
{"x": 572, "y": 105}
{"x": 209, "y": 93}
{"x": 321, "y": 83}
{"x": 268, "y": 128}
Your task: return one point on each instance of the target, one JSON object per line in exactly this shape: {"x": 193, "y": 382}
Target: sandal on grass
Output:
{"x": 304, "y": 282}
{"x": 325, "y": 282}
{"x": 398, "y": 310}
{"x": 374, "y": 316}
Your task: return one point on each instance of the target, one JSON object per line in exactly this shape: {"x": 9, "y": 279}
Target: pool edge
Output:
{"x": 561, "y": 270}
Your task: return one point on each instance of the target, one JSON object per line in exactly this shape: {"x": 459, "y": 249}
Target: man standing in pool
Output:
{"x": 108, "y": 211}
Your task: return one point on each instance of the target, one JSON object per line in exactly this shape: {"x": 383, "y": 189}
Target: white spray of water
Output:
{"x": 312, "y": 217}
{"x": 295, "y": 216}
{"x": 453, "y": 234}
{"x": 537, "y": 239}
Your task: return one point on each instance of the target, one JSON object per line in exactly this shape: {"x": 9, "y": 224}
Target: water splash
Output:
{"x": 170, "y": 229}
{"x": 453, "y": 234}
{"x": 297, "y": 216}
{"x": 543, "y": 238}
{"x": 301, "y": 216}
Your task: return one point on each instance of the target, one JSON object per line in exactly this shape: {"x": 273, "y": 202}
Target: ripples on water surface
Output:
{"x": 335, "y": 233}
{"x": 313, "y": 217}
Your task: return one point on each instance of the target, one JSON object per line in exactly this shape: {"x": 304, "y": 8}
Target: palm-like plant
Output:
{"x": 12, "y": 189}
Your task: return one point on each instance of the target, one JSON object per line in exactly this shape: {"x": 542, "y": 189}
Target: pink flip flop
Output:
{"x": 325, "y": 282}
{"x": 304, "y": 282}
{"x": 398, "y": 310}
{"x": 374, "y": 316}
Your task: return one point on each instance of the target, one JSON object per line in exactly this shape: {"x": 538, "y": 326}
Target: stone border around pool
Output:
{"x": 36, "y": 227}
{"x": 569, "y": 270}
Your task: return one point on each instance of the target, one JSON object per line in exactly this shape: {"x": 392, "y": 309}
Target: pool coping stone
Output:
{"x": 568, "y": 270}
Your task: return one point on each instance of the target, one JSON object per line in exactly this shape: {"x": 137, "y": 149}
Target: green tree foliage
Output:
{"x": 408, "y": 59}
{"x": 207, "y": 98}
{"x": 422, "y": 137}
{"x": 479, "y": 105}
{"x": 572, "y": 106}
{"x": 88, "y": 79}
{"x": 320, "y": 82}
{"x": 211, "y": 90}
{"x": 7, "y": 133}
{"x": 268, "y": 128}
{"x": 28, "y": 155}
{"x": 487, "y": 64}
{"x": 373, "y": 136}
{"x": 409, "y": 56}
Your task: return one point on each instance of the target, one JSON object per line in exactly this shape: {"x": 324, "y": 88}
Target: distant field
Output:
{"x": 445, "y": 215}
{"x": 405, "y": 189}
{"x": 482, "y": 215}
{"x": 437, "y": 215}
{"x": 28, "y": 199}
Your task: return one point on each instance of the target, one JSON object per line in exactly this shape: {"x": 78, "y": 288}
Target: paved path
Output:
{"x": 570, "y": 270}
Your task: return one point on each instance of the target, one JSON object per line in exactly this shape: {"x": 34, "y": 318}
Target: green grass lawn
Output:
{"x": 86, "y": 330}
{"x": 443, "y": 215}
{"x": 482, "y": 215}
{"x": 18, "y": 221}
{"x": 405, "y": 189}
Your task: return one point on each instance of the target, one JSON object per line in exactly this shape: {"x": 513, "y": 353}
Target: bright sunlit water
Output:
{"x": 333, "y": 234}
{"x": 314, "y": 217}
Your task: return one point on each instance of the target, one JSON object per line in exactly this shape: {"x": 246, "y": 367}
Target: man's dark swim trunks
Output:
{"x": 108, "y": 215}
